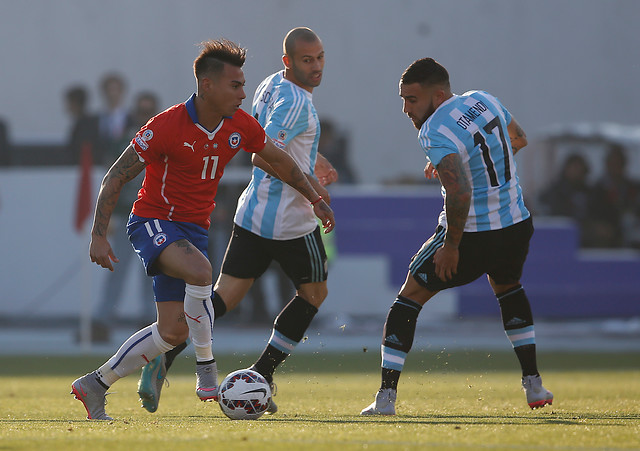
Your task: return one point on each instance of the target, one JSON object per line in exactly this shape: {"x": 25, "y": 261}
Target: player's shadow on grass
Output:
{"x": 548, "y": 418}
{"x": 564, "y": 418}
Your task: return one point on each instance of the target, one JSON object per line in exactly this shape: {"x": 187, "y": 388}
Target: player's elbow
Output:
{"x": 522, "y": 141}
{"x": 460, "y": 199}
{"x": 464, "y": 197}
{"x": 464, "y": 194}
{"x": 112, "y": 182}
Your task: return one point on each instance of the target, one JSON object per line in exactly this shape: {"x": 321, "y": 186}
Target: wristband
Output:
{"x": 317, "y": 200}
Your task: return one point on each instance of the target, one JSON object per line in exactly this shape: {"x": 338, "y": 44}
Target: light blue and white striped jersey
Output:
{"x": 474, "y": 125}
{"x": 269, "y": 207}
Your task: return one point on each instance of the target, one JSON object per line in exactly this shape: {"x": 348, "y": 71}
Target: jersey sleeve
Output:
{"x": 284, "y": 123}
{"x": 148, "y": 142}
{"x": 256, "y": 137}
{"x": 436, "y": 146}
{"x": 493, "y": 99}
{"x": 507, "y": 115}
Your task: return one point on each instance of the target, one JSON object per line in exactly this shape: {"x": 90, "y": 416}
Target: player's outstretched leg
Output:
{"x": 141, "y": 347}
{"x": 537, "y": 395}
{"x": 397, "y": 339}
{"x": 92, "y": 394}
{"x": 288, "y": 330}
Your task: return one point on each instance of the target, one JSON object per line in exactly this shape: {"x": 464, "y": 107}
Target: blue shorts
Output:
{"x": 150, "y": 237}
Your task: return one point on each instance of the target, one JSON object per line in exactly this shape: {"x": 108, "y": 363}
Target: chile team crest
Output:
{"x": 234, "y": 140}
{"x": 159, "y": 239}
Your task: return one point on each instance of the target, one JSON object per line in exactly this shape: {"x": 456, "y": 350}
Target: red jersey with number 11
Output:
{"x": 185, "y": 161}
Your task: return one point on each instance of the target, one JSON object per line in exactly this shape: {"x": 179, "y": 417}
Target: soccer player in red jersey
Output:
{"x": 272, "y": 221}
{"x": 184, "y": 151}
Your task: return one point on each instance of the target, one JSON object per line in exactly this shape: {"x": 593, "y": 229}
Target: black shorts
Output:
{"x": 499, "y": 253}
{"x": 248, "y": 256}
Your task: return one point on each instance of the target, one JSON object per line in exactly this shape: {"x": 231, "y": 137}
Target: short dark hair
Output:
{"x": 77, "y": 95}
{"x": 112, "y": 77}
{"x": 146, "y": 95}
{"x": 214, "y": 54}
{"x": 303, "y": 33}
{"x": 425, "y": 71}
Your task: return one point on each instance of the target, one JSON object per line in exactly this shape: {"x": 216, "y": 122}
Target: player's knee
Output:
{"x": 322, "y": 293}
{"x": 174, "y": 335}
{"x": 200, "y": 275}
{"x": 175, "y": 338}
{"x": 416, "y": 292}
{"x": 232, "y": 289}
{"x": 314, "y": 294}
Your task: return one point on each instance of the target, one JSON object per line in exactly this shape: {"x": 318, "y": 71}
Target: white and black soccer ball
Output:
{"x": 244, "y": 395}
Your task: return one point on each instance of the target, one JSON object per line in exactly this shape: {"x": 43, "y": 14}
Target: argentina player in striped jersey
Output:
{"x": 273, "y": 222}
{"x": 484, "y": 228}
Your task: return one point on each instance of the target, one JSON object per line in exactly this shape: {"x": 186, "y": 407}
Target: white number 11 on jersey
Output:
{"x": 205, "y": 167}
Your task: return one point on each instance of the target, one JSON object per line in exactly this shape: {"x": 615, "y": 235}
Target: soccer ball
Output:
{"x": 244, "y": 395}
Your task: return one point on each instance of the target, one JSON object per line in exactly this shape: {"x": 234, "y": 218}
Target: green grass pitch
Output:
{"x": 447, "y": 400}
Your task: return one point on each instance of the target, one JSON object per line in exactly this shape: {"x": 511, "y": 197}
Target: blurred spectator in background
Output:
{"x": 84, "y": 127}
{"x": 145, "y": 107}
{"x": 114, "y": 120}
{"x": 5, "y": 149}
{"x": 615, "y": 203}
{"x": 334, "y": 146}
{"x": 5, "y": 146}
{"x": 569, "y": 195}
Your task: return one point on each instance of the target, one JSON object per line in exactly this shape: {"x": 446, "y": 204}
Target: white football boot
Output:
{"x": 384, "y": 404}
{"x": 537, "y": 395}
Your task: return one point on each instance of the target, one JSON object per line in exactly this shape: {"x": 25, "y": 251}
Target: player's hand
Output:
{"x": 101, "y": 253}
{"x": 446, "y": 261}
{"x": 324, "y": 171}
{"x": 325, "y": 214}
{"x": 430, "y": 171}
{"x": 323, "y": 192}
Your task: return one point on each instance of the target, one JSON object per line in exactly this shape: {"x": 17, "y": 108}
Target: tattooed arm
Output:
{"x": 126, "y": 168}
{"x": 289, "y": 172}
{"x": 457, "y": 202}
{"x": 517, "y": 135}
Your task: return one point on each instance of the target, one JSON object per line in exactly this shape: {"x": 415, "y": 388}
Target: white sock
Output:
{"x": 198, "y": 309}
{"x": 139, "y": 349}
